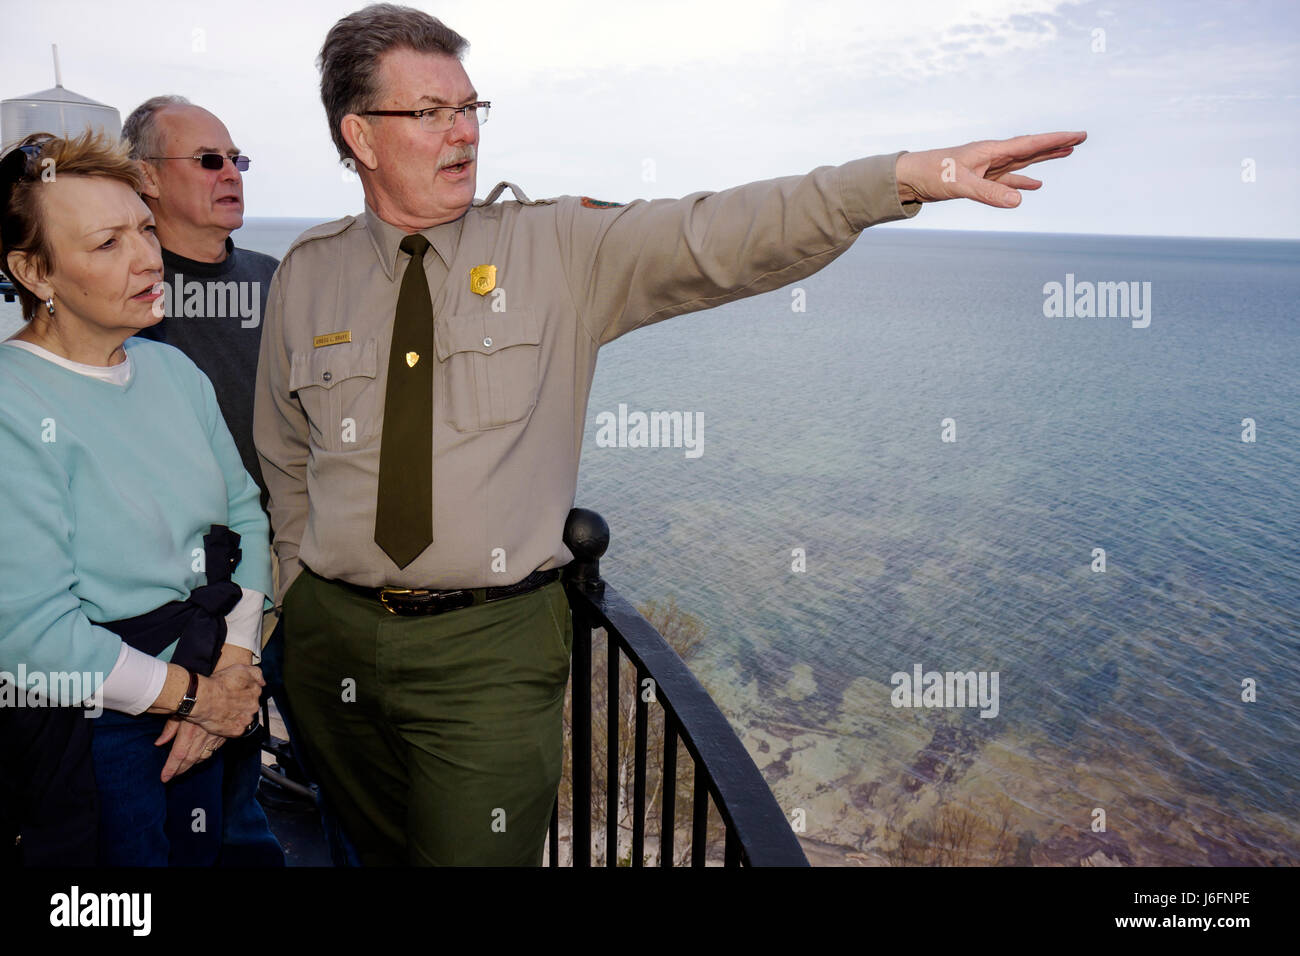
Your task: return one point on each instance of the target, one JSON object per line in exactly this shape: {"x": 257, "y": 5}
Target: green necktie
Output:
{"x": 404, "y": 511}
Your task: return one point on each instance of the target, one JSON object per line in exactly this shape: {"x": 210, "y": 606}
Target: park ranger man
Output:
{"x": 422, "y": 391}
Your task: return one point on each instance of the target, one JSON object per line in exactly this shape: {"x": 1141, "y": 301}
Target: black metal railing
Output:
{"x": 757, "y": 833}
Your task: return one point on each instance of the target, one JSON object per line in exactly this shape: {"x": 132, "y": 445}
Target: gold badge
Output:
{"x": 412, "y": 358}
{"x": 333, "y": 338}
{"x": 482, "y": 279}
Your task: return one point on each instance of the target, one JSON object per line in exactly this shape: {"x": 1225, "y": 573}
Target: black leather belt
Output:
{"x": 422, "y": 601}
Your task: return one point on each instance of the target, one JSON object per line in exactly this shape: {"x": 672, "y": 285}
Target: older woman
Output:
{"x": 124, "y": 511}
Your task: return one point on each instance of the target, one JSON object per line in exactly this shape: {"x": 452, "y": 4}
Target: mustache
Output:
{"x": 464, "y": 154}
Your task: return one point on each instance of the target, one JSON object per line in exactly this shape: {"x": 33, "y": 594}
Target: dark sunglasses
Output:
{"x": 213, "y": 160}
{"x": 19, "y": 163}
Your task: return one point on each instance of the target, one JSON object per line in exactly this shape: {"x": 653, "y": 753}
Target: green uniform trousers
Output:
{"x": 436, "y": 738}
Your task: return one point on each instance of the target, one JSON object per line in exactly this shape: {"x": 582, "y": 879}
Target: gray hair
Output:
{"x": 349, "y": 59}
{"x": 141, "y": 128}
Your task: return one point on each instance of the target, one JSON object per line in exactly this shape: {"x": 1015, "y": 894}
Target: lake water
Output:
{"x": 1120, "y": 692}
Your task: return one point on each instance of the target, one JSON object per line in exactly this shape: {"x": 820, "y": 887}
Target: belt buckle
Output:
{"x": 440, "y": 600}
{"x": 385, "y": 592}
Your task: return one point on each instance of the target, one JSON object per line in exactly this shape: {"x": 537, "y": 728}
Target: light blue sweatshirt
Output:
{"x": 106, "y": 492}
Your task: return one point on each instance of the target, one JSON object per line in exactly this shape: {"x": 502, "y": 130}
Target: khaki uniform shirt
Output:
{"x": 515, "y": 365}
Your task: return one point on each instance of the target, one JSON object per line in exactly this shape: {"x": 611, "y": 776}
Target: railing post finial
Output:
{"x": 586, "y": 534}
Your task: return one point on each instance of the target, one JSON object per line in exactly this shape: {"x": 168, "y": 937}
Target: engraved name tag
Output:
{"x": 333, "y": 338}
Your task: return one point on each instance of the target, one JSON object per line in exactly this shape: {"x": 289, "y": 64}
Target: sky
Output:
{"x": 1192, "y": 108}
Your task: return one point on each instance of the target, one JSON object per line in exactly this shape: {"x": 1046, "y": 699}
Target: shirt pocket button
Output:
{"x": 489, "y": 375}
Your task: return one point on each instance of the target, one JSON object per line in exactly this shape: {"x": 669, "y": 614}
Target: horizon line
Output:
{"x": 902, "y": 225}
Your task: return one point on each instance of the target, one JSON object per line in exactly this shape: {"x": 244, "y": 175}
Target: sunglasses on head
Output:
{"x": 17, "y": 164}
{"x": 213, "y": 160}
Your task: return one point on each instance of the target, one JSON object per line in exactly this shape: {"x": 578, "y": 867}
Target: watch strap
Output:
{"x": 188, "y": 701}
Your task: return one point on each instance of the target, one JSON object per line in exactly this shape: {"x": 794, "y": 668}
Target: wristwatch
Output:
{"x": 187, "y": 702}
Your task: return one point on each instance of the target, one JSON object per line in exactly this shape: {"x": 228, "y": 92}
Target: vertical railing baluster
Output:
{"x": 699, "y": 816}
{"x": 639, "y": 748}
{"x": 731, "y": 851}
{"x": 666, "y": 826}
{"x": 614, "y": 715}
{"x": 582, "y": 638}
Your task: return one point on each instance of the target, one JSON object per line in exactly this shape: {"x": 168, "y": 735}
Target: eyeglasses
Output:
{"x": 439, "y": 119}
{"x": 213, "y": 160}
{"x": 18, "y": 163}
{"x": 12, "y": 167}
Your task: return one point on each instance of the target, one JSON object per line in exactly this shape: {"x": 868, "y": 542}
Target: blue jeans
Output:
{"x": 246, "y": 835}
{"x": 143, "y": 821}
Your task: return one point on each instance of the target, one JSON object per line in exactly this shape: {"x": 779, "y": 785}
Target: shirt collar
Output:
{"x": 205, "y": 270}
{"x": 387, "y": 238}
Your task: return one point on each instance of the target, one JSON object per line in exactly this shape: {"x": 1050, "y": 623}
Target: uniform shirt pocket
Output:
{"x": 488, "y": 368}
{"x": 335, "y": 386}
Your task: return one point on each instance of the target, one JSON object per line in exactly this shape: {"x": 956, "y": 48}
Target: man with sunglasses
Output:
{"x": 214, "y": 292}
{"x": 421, "y": 398}
{"x": 214, "y": 295}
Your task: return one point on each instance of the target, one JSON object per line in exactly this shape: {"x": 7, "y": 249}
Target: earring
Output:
{"x": 49, "y": 305}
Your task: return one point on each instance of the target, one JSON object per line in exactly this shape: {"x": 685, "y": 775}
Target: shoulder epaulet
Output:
{"x": 520, "y": 196}
{"x": 324, "y": 231}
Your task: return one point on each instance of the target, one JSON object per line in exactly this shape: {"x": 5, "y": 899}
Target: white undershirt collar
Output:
{"x": 119, "y": 374}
